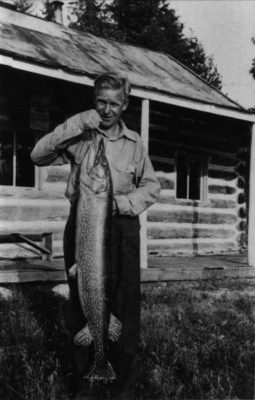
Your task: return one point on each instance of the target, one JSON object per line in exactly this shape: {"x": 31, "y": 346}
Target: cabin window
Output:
{"x": 191, "y": 177}
{"x": 16, "y": 167}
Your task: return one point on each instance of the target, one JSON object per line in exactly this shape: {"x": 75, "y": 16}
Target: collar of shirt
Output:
{"x": 122, "y": 131}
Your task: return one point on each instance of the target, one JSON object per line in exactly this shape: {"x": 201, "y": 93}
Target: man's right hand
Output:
{"x": 91, "y": 119}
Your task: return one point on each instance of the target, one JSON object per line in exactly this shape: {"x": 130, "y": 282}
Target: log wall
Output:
{"x": 175, "y": 226}
{"x": 42, "y": 208}
{"x": 189, "y": 227}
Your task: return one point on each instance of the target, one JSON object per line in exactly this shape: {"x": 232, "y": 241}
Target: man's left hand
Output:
{"x": 114, "y": 207}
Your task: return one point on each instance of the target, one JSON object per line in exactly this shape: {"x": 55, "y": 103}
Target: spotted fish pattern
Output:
{"x": 93, "y": 229}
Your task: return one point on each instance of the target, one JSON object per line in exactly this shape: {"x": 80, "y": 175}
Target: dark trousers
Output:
{"x": 124, "y": 301}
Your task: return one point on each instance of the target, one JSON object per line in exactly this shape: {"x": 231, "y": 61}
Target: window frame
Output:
{"x": 203, "y": 175}
{"x": 37, "y": 175}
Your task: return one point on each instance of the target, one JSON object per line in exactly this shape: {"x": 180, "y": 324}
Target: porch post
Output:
{"x": 14, "y": 159}
{"x": 145, "y": 115}
{"x": 251, "y": 226}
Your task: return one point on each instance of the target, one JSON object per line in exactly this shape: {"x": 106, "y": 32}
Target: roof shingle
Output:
{"x": 45, "y": 43}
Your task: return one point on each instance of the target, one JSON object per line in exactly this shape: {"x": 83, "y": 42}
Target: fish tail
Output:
{"x": 101, "y": 373}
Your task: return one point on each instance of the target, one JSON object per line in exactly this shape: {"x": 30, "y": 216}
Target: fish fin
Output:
{"x": 115, "y": 328}
{"x": 72, "y": 271}
{"x": 101, "y": 373}
{"x": 83, "y": 337}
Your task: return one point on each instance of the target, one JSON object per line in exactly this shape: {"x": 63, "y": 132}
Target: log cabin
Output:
{"x": 199, "y": 140}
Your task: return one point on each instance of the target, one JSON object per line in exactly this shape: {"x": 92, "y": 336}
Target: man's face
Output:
{"x": 109, "y": 104}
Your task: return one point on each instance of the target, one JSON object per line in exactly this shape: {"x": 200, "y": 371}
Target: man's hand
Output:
{"x": 92, "y": 119}
{"x": 72, "y": 271}
{"x": 114, "y": 207}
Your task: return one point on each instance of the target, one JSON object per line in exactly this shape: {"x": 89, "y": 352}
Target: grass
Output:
{"x": 197, "y": 343}
{"x": 33, "y": 364}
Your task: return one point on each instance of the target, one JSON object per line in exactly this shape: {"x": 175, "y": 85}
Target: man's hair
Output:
{"x": 112, "y": 80}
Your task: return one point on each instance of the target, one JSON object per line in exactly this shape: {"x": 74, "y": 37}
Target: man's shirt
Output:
{"x": 135, "y": 186}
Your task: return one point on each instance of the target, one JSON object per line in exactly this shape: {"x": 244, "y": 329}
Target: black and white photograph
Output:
{"x": 127, "y": 200}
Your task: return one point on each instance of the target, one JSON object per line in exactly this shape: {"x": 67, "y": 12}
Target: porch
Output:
{"x": 174, "y": 268}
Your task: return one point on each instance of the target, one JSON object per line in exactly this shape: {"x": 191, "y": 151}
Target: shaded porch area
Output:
{"x": 159, "y": 269}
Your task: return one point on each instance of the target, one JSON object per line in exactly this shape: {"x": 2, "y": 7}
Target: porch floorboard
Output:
{"x": 175, "y": 268}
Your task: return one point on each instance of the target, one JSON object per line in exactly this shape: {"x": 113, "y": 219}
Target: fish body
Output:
{"x": 93, "y": 232}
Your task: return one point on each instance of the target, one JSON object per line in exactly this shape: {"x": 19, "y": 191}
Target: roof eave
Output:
{"x": 149, "y": 94}
{"x": 194, "y": 105}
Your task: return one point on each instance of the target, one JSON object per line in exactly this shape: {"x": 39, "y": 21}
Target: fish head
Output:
{"x": 98, "y": 176}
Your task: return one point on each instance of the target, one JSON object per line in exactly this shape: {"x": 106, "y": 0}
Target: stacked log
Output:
{"x": 216, "y": 223}
{"x": 184, "y": 226}
{"x": 29, "y": 215}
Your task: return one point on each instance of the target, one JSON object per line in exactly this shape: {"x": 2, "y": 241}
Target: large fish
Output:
{"x": 93, "y": 232}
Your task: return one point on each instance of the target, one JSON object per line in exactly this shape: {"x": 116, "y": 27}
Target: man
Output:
{"x": 135, "y": 188}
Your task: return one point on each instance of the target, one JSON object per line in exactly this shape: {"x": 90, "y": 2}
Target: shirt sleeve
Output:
{"x": 146, "y": 192}
{"x": 50, "y": 149}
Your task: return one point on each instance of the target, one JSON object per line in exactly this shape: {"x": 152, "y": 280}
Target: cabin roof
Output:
{"x": 43, "y": 43}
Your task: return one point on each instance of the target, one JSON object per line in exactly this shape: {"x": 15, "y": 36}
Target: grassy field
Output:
{"x": 197, "y": 342}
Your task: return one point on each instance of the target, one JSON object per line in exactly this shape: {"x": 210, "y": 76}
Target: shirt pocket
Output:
{"x": 125, "y": 177}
